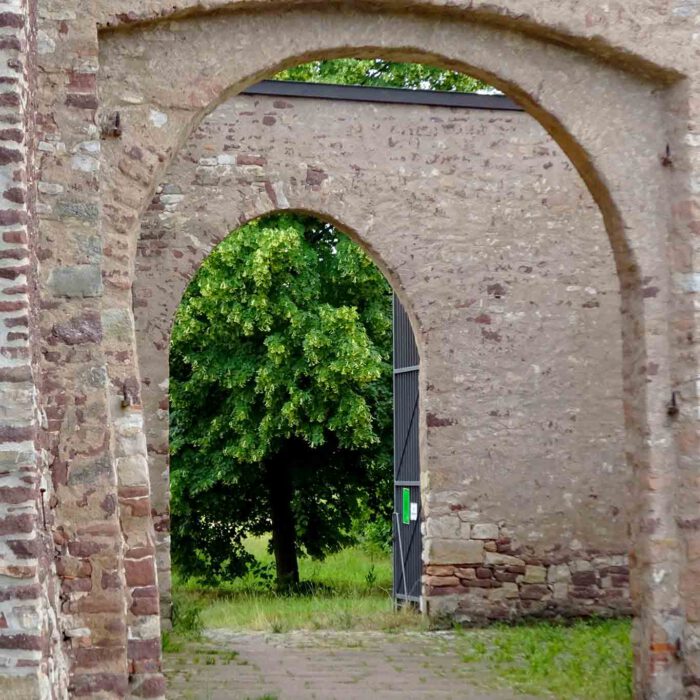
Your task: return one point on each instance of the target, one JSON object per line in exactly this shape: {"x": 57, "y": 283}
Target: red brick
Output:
{"x": 533, "y": 591}
{"x": 13, "y": 524}
{"x": 85, "y": 548}
{"x": 143, "y": 649}
{"x": 14, "y": 237}
{"x": 9, "y": 433}
{"x": 17, "y": 494}
{"x": 9, "y": 155}
{"x": 9, "y": 99}
{"x": 94, "y": 684}
{"x": 140, "y": 572}
{"x": 25, "y": 549}
{"x": 82, "y": 101}
{"x": 145, "y": 606}
{"x": 10, "y": 19}
{"x": 22, "y": 641}
{"x": 73, "y": 585}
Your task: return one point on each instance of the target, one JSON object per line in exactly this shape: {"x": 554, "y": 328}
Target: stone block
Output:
{"x": 439, "y": 570}
{"x": 118, "y": 325}
{"x": 533, "y": 592}
{"x": 140, "y": 572}
{"x": 445, "y": 605}
{"x": 441, "y": 551}
{"x": 76, "y": 281}
{"x": 466, "y": 574}
{"x": 559, "y": 573}
{"x": 535, "y": 574}
{"x": 584, "y": 578}
{"x": 500, "y": 559}
{"x": 511, "y": 590}
{"x": 498, "y": 594}
{"x": 71, "y": 209}
{"x": 560, "y": 591}
{"x": 443, "y": 527}
{"x": 132, "y": 470}
{"x": 439, "y": 581}
{"x": 485, "y": 531}
{"x": 580, "y": 565}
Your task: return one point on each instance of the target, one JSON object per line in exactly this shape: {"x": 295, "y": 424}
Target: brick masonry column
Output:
{"x": 33, "y": 664}
{"x": 128, "y": 170}
{"x": 89, "y": 544}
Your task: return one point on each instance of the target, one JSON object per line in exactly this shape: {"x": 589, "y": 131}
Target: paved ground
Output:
{"x": 325, "y": 666}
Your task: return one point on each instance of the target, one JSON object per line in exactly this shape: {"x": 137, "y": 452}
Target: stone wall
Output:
{"x": 500, "y": 255}
{"x": 584, "y": 90}
{"x": 615, "y": 84}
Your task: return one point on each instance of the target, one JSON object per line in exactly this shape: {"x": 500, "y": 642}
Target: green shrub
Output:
{"x": 187, "y": 616}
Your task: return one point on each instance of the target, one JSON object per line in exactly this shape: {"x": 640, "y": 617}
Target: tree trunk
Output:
{"x": 284, "y": 544}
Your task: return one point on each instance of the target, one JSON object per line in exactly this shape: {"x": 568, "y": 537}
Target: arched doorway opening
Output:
{"x": 280, "y": 390}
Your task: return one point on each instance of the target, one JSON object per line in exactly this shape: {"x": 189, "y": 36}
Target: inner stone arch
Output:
{"x": 484, "y": 262}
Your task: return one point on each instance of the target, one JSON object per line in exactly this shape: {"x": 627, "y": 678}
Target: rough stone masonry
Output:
{"x": 510, "y": 246}
{"x": 98, "y": 98}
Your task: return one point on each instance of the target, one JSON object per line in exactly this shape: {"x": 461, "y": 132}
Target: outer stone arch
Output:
{"x": 561, "y": 88}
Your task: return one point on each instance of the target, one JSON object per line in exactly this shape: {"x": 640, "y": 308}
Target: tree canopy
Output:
{"x": 379, "y": 72}
{"x": 280, "y": 396}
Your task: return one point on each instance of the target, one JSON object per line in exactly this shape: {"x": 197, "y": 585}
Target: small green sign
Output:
{"x": 406, "y": 510}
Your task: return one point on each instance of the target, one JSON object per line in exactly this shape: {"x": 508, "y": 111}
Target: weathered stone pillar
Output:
{"x": 127, "y": 169}
{"x": 684, "y": 253}
{"x": 87, "y": 533}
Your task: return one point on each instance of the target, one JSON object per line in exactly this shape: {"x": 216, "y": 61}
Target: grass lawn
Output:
{"x": 589, "y": 660}
{"x": 348, "y": 590}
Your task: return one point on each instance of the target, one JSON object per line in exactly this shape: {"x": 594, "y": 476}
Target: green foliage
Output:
{"x": 171, "y": 643}
{"x": 187, "y": 616}
{"x": 280, "y": 374}
{"x": 280, "y": 368}
{"x": 380, "y": 73}
{"x": 373, "y": 531}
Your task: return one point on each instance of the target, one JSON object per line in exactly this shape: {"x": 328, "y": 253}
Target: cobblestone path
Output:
{"x": 325, "y": 666}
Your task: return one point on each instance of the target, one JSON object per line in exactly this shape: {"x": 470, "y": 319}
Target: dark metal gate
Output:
{"x": 407, "y": 505}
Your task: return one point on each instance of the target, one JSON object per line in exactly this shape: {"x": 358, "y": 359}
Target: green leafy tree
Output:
{"x": 280, "y": 380}
{"x": 381, "y": 73}
{"x": 280, "y": 397}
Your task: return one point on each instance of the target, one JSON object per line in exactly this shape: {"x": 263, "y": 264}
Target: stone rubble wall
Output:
{"x": 498, "y": 581}
{"x": 625, "y": 119}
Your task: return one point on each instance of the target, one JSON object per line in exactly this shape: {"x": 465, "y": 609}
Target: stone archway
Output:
{"x": 547, "y": 68}
{"x": 595, "y": 146}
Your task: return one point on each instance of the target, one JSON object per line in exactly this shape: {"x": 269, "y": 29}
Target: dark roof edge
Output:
{"x": 358, "y": 93}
